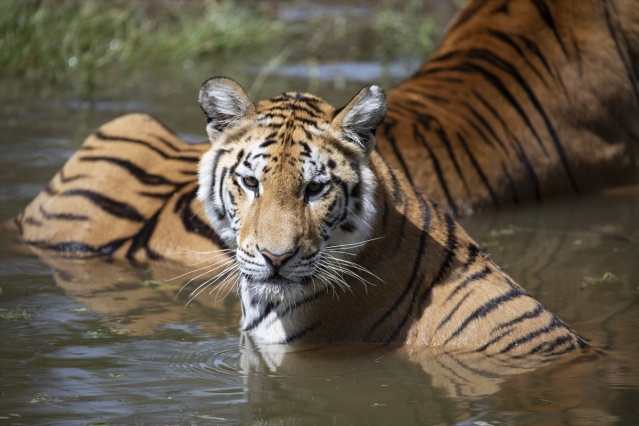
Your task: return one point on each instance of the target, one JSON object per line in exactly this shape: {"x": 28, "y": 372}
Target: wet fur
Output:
{"x": 414, "y": 276}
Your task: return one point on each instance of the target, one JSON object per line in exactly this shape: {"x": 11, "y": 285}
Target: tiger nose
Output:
{"x": 276, "y": 259}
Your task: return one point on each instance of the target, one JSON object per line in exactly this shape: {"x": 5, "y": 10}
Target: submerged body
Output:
{"x": 334, "y": 246}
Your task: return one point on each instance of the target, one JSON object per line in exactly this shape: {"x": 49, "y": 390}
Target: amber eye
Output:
{"x": 250, "y": 182}
{"x": 314, "y": 188}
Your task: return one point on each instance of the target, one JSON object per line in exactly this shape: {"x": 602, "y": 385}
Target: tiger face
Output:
{"x": 287, "y": 183}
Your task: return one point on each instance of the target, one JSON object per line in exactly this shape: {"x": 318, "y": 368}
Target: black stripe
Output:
{"x": 267, "y": 142}
{"x": 192, "y": 223}
{"x": 506, "y": 333}
{"x": 298, "y": 335}
{"x": 512, "y": 71}
{"x": 535, "y": 313}
{"x": 452, "y": 312}
{"x": 158, "y": 195}
{"x": 479, "y": 171}
{"x": 76, "y": 247}
{"x": 49, "y": 190}
{"x": 136, "y": 171}
{"x": 469, "y": 11}
{"x": 548, "y": 347}
{"x": 417, "y": 264}
{"x": 284, "y": 310}
{"x": 624, "y": 59}
{"x": 484, "y": 124}
{"x": 511, "y": 183}
{"x": 220, "y": 206}
{"x": 141, "y": 239}
{"x": 507, "y": 326}
{"x": 473, "y": 251}
{"x": 485, "y": 309}
{"x": 65, "y": 179}
{"x": 173, "y": 147}
{"x": 267, "y": 308}
{"x": 468, "y": 67}
{"x": 438, "y": 171}
{"x": 518, "y": 150}
{"x": 545, "y": 14}
{"x": 28, "y": 220}
{"x": 554, "y": 323}
{"x": 113, "y": 207}
{"x": 507, "y": 39}
{"x": 444, "y": 268}
{"x": 498, "y": 117}
{"x": 104, "y": 137}
{"x": 387, "y": 130}
{"x": 62, "y": 216}
{"x": 474, "y": 277}
{"x": 443, "y": 137}
{"x": 532, "y": 176}
{"x": 534, "y": 49}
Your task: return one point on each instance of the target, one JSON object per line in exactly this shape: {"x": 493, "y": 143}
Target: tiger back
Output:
{"x": 523, "y": 101}
{"x": 138, "y": 206}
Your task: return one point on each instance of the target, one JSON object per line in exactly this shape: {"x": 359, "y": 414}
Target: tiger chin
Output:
{"x": 334, "y": 247}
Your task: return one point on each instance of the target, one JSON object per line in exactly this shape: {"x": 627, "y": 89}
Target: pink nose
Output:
{"x": 277, "y": 259}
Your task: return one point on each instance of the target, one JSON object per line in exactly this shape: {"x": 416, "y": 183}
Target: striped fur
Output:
{"x": 398, "y": 271}
{"x": 139, "y": 206}
{"x": 523, "y": 100}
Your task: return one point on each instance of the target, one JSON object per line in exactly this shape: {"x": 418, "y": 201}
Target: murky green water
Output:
{"x": 95, "y": 342}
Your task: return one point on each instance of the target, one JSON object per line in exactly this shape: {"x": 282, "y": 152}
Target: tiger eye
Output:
{"x": 314, "y": 188}
{"x": 250, "y": 182}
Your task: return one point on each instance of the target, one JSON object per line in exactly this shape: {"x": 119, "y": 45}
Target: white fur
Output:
{"x": 368, "y": 111}
{"x": 223, "y": 101}
{"x": 208, "y": 197}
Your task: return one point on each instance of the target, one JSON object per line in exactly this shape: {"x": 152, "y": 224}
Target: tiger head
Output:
{"x": 287, "y": 183}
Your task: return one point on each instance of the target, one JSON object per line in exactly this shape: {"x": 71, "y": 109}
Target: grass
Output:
{"x": 406, "y": 32}
{"x": 57, "y": 40}
{"x": 78, "y": 43}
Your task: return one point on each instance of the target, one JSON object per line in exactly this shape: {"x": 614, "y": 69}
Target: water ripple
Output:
{"x": 218, "y": 359}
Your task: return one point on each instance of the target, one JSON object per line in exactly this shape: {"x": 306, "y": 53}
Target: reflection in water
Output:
{"x": 139, "y": 354}
{"x": 424, "y": 388}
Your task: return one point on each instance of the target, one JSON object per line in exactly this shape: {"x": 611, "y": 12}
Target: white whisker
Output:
{"x": 354, "y": 245}
{"x": 207, "y": 269}
{"x": 348, "y": 264}
{"x": 224, "y": 276}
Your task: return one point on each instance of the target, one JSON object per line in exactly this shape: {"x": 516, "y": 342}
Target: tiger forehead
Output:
{"x": 295, "y": 108}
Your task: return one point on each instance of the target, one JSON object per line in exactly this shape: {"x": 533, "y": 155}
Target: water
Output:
{"x": 93, "y": 341}
{"x": 97, "y": 342}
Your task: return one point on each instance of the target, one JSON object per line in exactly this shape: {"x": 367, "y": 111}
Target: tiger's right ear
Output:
{"x": 224, "y": 103}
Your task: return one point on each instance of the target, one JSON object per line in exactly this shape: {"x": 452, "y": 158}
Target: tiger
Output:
{"x": 332, "y": 246}
{"x": 523, "y": 101}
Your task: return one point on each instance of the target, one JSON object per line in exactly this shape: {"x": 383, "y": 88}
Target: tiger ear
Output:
{"x": 224, "y": 103}
{"x": 358, "y": 120}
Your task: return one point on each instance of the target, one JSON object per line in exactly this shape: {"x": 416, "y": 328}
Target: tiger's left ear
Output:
{"x": 224, "y": 103}
{"x": 358, "y": 120}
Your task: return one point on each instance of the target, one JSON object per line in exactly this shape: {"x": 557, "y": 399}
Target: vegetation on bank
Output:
{"x": 58, "y": 39}
{"x": 78, "y": 42}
